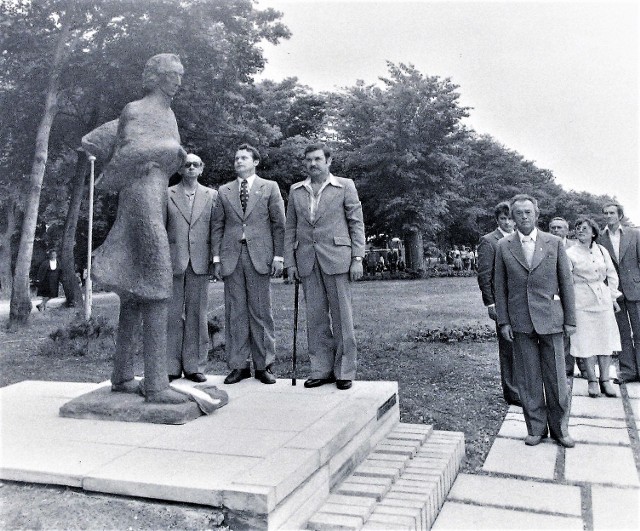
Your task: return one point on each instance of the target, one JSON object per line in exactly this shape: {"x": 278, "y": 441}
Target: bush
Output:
{"x": 471, "y": 333}
{"x": 79, "y": 338}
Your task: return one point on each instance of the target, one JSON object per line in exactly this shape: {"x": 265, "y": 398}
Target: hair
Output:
{"x": 156, "y": 66}
{"x": 559, "y": 218}
{"x": 255, "y": 154}
{"x": 502, "y": 208}
{"x": 524, "y": 197}
{"x": 595, "y": 230}
{"x": 618, "y": 207}
{"x": 51, "y": 251}
{"x": 316, "y": 147}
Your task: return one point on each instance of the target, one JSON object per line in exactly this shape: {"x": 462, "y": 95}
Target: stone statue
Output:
{"x": 134, "y": 260}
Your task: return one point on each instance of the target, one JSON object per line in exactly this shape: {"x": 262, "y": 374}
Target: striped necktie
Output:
{"x": 244, "y": 194}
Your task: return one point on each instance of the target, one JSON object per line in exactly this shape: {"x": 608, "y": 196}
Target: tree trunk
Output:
{"x": 6, "y": 278}
{"x": 20, "y": 306}
{"x": 71, "y": 285}
{"x": 414, "y": 251}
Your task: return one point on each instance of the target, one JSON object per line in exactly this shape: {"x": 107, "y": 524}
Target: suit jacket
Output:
{"x": 628, "y": 264}
{"x": 335, "y": 236}
{"x": 190, "y": 230}
{"x": 486, "y": 259}
{"x": 262, "y": 224}
{"x": 539, "y": 298}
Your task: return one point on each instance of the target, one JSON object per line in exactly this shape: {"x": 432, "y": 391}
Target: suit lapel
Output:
{"x": 515, "y": 247}
{"x": 625, "y": 240}
{"x": 302, "y": 197}
{"x": 232, "y": 193}
{"x": 539, "y": 250}
{"x": 497, "y": 235}
{"x": 606, "y": 241}
{"x": 199, "y": 202}
{"x": 180, "y": 200}
{"x": 254, "y": 194}
{"x": 328, "y": 195}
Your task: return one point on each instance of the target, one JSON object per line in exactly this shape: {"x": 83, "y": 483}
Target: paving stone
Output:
{"x": 400, "y": 511}
{"x": 635, "y": 407}
{"x": 429, "y": 500}
{"x": 419, "y": 505}
{"x": 368, "y": 526}
{"x": 605, "y": 431}
{"x": 593, "y": 463}
{"x": 415, "y": 428}
{"x": 372, "y": 480}
{"x": 615, "y": 508}
{"x": 584, "y": 406}
{"x": 633, "y": 389}
{"x": 379, "y": 463}
{"x": 341, "y": 499}
{"x": 397, "y": 448}
{"x": 393, "y": 521}
{"x": 508, "y": 456}
{"x": 361, "y": 511}
{"x": 517, "y": 494}
{"x": 331, "y": 522}
{"x": 456, "y": 515}
{"x": 514, "y": 427}
{"x": 377, "y": 471}
{"x": 360, "y": 489}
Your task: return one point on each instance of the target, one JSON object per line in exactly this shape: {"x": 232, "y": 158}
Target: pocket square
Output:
{"x": 556, "y": 297}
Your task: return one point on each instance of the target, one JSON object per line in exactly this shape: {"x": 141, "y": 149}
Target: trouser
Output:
{"x": 187, "y": 332}
{"x": 628, "y": 319}
{"x": 507, "y": 376}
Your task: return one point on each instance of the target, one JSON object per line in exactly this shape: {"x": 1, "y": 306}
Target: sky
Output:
{"x": 555, "y": 81}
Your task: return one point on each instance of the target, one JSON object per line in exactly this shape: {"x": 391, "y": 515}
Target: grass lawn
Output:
{"x": 453, "y": 386}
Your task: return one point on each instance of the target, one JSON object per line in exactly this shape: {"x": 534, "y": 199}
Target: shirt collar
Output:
{"x": 618, "y": 230}
{"x": 332, "y": 180}
{"x": 533, "y": 235}
{"x": 504, "y": 233}
{"x": 250, "y": 180}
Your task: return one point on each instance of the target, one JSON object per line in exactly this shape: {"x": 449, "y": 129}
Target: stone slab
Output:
{"x": 517, "y": 494}
{"x": 334, "y": 522}
{"x": 615, "y": 508}
{"x": 603, "y": 431}
{"x": 613, "y": 465}
{"x": 514, "y": 427}
{"x": 400, "y": 511}
{"x": 513, "y": 457}
{"x": 635, "y": 407}
{"x": 609, "y": 408}
{"x": 633, "y": 389}
{"x": 392, "y": 521}
{"x": 361, "y": 511}
{"x": 455, "y": 515}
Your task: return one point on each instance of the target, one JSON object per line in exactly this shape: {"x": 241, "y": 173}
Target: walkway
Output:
{"x": 593, "y": 486}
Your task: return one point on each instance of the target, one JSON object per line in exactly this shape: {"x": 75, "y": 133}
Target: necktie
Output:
{"x": 528, "y": 246}
{"x": 244, "y": 194}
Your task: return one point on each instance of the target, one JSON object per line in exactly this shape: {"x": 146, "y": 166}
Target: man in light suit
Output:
{"x": 248, "y": 247}
{"x": 189, "y": 226}
{"x": 324, "y": 248}
{"x": 623, "y": 244}
{"x": 486, "y": 260}
{"x": 535, "y": 305}
{"x": 559, "y": 227}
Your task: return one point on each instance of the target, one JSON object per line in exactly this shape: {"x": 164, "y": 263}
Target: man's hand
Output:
{"x": 492, "y": 313}
{"x": 569, "y": 329}
{"x": 506, "y": 332}
{"x": 217, "y": 271}
{"x": 292, "y": 272}
{"x": 276, "y": 268}
{"x": 355, "y": 271}
{"x": 616, "y": 307}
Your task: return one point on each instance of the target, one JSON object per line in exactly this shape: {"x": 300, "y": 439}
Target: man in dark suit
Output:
{"x": 623, "y": 244}
{"x": 324, "y": 248}
{"x": 535, "y": 305}
{"x": 189, "y": 226}
{"x": 486, "y": 260}
{"x": 248, "y": 247}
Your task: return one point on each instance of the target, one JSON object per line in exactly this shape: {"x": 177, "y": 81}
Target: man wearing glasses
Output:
{"x": 189, "y": 226}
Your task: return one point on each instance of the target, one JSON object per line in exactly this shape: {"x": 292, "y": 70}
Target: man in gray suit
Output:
{"x": 535, "y": 304}
{"x": 324, "y": 248}
{"x": 486, "y": 260}
{"x": 189, "y": 226}
{"x": 623, "y": 244}
{"x": 248, "y": 246}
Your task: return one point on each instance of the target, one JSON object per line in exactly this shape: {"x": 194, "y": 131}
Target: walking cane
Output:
{"x": 296, "y": 290}
{"x": 88, "y": 287}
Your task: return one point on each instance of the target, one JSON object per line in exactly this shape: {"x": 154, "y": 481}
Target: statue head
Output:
{"x": 163, "y": 71}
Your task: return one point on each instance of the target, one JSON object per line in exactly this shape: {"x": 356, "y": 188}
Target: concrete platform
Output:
{"x": 270, "y": 456}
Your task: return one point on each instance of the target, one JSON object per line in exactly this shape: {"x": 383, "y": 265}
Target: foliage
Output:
{"x": 80, "y": 338}
{"x": 475, "y": 333}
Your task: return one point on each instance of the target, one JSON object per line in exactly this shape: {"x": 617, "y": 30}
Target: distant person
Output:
{"x": 596, "y": 288}
{"x": 248, "y": 248}
{"x": 623, "y": 244}
{"x": 535, "y": 304}
{"x": 324, "y": 247}
{"x": 49, "y": 274}
{"x": 393, "y": 261}
{"x": 486, "y": 261}
{"x": 457, "y": 259}
{"x": 559, "y": 227}
{"x": 371, "y": 263}
{"x": 189, "y": 227}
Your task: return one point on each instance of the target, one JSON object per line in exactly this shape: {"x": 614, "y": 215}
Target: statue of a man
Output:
{"x": 134, "y": 260}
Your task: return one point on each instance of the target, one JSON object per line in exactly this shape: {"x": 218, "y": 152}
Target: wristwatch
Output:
{"x": 357, "y": 258}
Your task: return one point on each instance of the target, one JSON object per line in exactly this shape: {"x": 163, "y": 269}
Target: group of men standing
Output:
{"x": 527, "y": 287}
{"x": 240, "y": 235}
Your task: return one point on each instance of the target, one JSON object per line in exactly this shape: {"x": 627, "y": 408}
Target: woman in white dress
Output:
{"x": 596, "y": 288}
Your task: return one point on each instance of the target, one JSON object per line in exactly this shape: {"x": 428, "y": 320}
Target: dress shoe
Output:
{"x": 174, "y": 377}
{"x": 594, "y": 389}
{"x": 607, "y": 388}
{"x": 265, "y": 376}
{"x": 195, "y": 377}
{"x": 317, "y": 382}
{"x": 343, "y": 384}
{"x": 533, "y": 440}
{"x": 237, "y": 375}
{"x": 567, "y": 441}
{"x": 620, "y": 381}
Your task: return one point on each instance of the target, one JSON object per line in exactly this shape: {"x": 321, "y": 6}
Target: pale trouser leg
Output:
{"x": 175, "y": 326}
{"x": 129, "y": 321}
{"x": 346, "y": 353}
{"x": 262, "y": 335}
{"x": 195, "y": 344}
{"x": 319, "y": 337}
{"x": 236, "y": 318}
{"x": 556, "y": 389}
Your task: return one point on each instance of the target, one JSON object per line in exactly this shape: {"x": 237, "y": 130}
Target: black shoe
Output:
{"x": 317, "y": 382}
{"x": 514, "y": 402}
{"x": 343, "y": 384}
{"x": 195, "y": 377}
{"x": 174, "y": 377}
{"x": 265, "y": 376}
{"x": 621, "y": 381}
{"x": 237, "y": 375}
